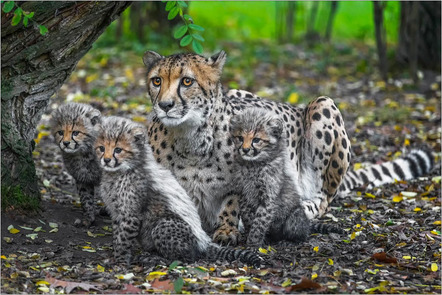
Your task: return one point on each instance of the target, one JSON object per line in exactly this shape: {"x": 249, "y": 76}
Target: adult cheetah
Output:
{"x": 190, "y": 135}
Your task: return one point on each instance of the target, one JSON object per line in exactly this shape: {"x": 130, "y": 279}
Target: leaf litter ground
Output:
{"x": 393, "y": 233}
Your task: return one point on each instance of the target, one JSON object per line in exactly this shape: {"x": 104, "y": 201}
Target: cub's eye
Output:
{"x": 156, "y": 81}
{"x": 187, "y": 81}
{"x": 118, "y": 150}
{"x": 75, "y": 133}
{"x": 256, "y": 140}
{"x": 240, "y": 138}
{"x": 60, "y": 132}
{"x": 101, "y": 148}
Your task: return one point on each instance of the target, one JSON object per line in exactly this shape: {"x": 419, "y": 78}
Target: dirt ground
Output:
{"x": 392, "y": 242}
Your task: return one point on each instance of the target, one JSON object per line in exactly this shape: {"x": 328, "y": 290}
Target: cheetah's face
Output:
{"x": 183, "y": 87}
{"x": 257, "y": 135}
{"x": 120, "y": 145}
{"x": 74, "y": 127}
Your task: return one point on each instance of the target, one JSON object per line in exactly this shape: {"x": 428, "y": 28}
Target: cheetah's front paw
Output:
{"x": 227, "y": 235}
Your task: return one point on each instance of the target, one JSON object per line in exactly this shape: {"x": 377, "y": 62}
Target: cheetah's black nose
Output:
{"x": 245, "y": 150}
{"x": 166, "y": 105}
{"x": 106, "y": 160}
{"x": 66, "y": 143}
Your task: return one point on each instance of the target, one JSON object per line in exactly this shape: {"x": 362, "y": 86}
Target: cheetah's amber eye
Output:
{"x": 118, "y": 150}
{"x": 102, "y": 149}
{"x": 187, "y": 81}
{"x": 156, "y": 81}
{"x": 60, "y": 132}
{"x": 256, "y": 140}
{"x": 75, "y": 133}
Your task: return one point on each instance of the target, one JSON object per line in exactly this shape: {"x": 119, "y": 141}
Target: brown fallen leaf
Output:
{"x": 162, "y": 285}
{"x": 384, "y": 257}
{"x": 130, "y": 289}
{"x": 69, "y": 286}
{"x": 304, "y": 284}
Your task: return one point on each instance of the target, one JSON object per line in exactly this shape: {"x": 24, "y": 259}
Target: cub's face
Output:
{"x": 72, "y": 138}
{"x": 120, "y": 144}
{"x": 183, "y": 87}
{"x": 256, "y": 135}
{"x": 74, "y": 127}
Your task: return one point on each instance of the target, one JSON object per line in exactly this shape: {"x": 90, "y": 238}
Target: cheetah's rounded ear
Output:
{"x": 95, "y": 117}
{"x": 277, "y": 127}
{"x": 139, "y": 133}
{"x": 217, "y": 60}
{"x": 150, "y": 58}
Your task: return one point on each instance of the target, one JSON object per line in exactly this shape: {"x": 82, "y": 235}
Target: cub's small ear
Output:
{"x": 277, "y": 127}
{"x": 218, "y": 60}
{"x": 151, "y": 57}
{"x": 139, "y": 133}
{"x": 95, "y": 117}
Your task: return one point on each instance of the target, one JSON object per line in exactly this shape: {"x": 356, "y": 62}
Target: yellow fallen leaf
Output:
{"x": 293, "y": 98}
{"x": 14, "y": 230}
{"x": 435, "y": 232}
{"x": 434, "y": 267}
{"x": 437, "y": 222}
{"x": 155, "y": 274}
{"x": 353, "y": 236}
{"x": 42, "y": 283}
{"x": 316, "y": 249}
{"x": 138, "y": 119}
{"x": 417, "y": 209}
{"x": 370, "y": 195}
{"x": 314, "y": 275}
{"x": 286, "y": 283}
{"x": 357, "y": 166}
{"x": 406, "y": 257}
{"x": 43, "y": 289}
{"x": 100, "y": 268}
{"x": 397, "y": 198}
{"x": 406, "y": 142}
{"x": 263, "y": 251}
{"x": 91, "y": 78}
{"x": 330, "y": 262}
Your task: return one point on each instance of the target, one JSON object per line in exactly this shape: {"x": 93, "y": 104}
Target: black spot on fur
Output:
{"x": 326, "y": 113}
{"x": 316, "y": 116}
{"x": 319, "y": 134}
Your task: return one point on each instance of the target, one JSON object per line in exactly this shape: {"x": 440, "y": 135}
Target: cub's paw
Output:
{"x": 227, "y": 235}
{"x": 83, "y": 222}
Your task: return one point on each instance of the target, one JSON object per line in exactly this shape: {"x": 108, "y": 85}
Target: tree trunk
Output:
{"x": 290, "y": 20}
{"x": 33, "y": 69}
{"x": 380, "y": 37}
{"x": 312, "y": 36}
{"x": 420, "y": 35}
{"x": 331, "y": 17}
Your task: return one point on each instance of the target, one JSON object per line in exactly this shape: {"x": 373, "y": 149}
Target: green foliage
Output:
{"x": 189, "y": 31}
{"x": 20, "y": 14}
{"x": 178, "y": 285}
{"x": 13, "y": 198}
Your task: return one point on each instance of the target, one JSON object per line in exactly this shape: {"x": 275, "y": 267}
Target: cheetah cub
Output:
{"x": 146, "y": 203}
{"x": 74, "y": 128}
{"x": 270, "y": 204}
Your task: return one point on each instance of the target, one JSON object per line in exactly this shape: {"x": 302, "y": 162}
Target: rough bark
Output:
{"x": 420, "y": 35}
{"x": 33, "y": 69}
{"x": 380, "y": 37}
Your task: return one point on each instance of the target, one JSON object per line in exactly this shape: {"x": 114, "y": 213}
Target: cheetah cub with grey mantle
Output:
{"x": 147, "y": 203}
{"x": 74, "y": 129}
{"x": 270, "y": 205}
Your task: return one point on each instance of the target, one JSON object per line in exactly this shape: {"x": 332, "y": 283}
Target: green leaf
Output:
{"x": 17, "y": 17}
{"x": 8, "y": 6}
{"x": 198, "y": 37}
{"x": 187, "y": 17}
{"x": 196, "y": 27}
{"x": 174, "y": 264}
{"x": 180, "y": 32}
{"x": 25, "y": 21}
{"x": 170, "y": 5}
{"x": 173, "y": 13}
{"x": 43, "y": 30}
{"x": 197, "y": 47}
{"x": 186, "y": 40}
{"x": 28, "y": 14}
{"x": 178, "y": 285}
{"x": 182, "y": 4}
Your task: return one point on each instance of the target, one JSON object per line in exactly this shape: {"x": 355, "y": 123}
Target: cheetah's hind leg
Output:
{"x": 174, "y": 239}
{"x": 228, "y": 233}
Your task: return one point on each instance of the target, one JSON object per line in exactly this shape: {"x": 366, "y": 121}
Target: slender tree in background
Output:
{"x": 420, "y": 36}
{"x": 380, "y": 37}
{"x": 331, "y": 17}
{"x": 290, "y": 21}
{"x": 33, "y": 69}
